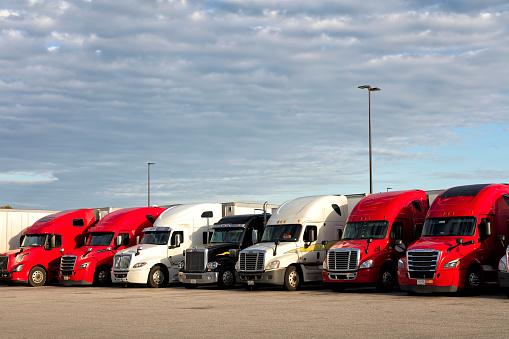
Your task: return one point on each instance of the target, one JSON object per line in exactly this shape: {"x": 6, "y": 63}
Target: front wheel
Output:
{"x": 102, "y": 276}
{"x": 226, "y": 278}
{"x": 292, "y": 279}
{"x": 387, "y": 279}
{"x": 473, "y": 281}
{"x": 157, "y": 277}
{"x": 37, "y": 276}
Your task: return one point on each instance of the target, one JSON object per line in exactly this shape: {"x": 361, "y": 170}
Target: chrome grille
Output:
{"x": 343, "y": 259}
{"x": 195, "y": 260}
{"x": 121, "y": 262}
{"x": 422, "y": 264}
{"x": 4, "y": 261}
{"x": 67, "y": 264}
{"x": 251, "y": 261}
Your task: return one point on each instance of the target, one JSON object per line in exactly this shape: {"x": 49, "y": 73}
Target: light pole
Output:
{"x": 370, "y": 89}
{"x": 150, "y": 163}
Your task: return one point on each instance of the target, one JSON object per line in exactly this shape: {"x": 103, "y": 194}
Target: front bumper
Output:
{"x": 449, "y": 280}
{"x": 199, "y": 278}
{"x": 364, "y": 276}
{"x": 75, "y": 282}
{"x": 503, "y": 279}
{"x": 272, "y": 277}
{"x": 14, "y": 276}
{"x": 135, "y": 276}
{"x": 83, "y": 276}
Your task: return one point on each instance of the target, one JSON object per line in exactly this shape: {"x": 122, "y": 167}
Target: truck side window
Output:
{"x": 58, "y": 240}
{"x": 78, "y": 222}
{"x": 310, "y": 234}
{"x": 173, "y": 241}
{"x": 125, "y": 239}
{"x": 397, "y": 231}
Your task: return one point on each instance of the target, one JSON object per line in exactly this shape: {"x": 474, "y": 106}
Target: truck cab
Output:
{"x": 458, "y": 249}
{"x": 91, "y": 263}
{"x": 38, "y": 259}
{"x": 379, "y": 229}
{"x": 293, "y": 244}
{"x": 155, "y": 260}
{"x": 214, "y": 263}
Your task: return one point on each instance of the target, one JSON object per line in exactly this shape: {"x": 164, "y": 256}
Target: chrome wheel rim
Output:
{"x": 37, "y": 277}
{"x": 293, "y": 279}
{"x": 158, "y": 277}
{"x": 228, "y": 278}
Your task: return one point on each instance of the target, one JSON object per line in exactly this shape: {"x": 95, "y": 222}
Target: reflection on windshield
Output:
{"x": 281, "y": 233}
{"x": 35, "y": 240}
{"x": 227, "y": 235}
{"x": 155, "y": 238}
{"x": 366, "y": 230}
{"x": 101, "y": 239}
{"x": 457, "y": 226}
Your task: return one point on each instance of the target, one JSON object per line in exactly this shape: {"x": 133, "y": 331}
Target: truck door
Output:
{"x": 311, "y": 253}
{"x": 52, "y": 254}
{"x": 175, "y": 249}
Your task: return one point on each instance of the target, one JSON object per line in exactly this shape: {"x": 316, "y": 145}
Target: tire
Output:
{"x": 473, "y": 281}
{"x": 190, "y": 286}
{"x": 37, "y": 276}
{"x": 102, "y": 276}
{"x": 157, "y": 277}
{"x": 292, "y": 279}
{"x": 226, "y": 278}
{"x": 387, "y": 280}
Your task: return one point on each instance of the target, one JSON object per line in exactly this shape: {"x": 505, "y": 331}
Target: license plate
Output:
{"x": 193, "y": 281}
{"x": 124, "y": 279}
{"x": 250, "y": 282}
{"x": 66, "y": 278}
{"x": 421, "y": 282}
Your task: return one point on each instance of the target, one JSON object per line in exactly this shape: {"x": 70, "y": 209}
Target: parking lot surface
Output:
{"x": 136, "y": 312}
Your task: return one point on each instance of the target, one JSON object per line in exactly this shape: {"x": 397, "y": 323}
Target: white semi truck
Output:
{"x": 293, "y": 245}
{"x": 155, "y": 260}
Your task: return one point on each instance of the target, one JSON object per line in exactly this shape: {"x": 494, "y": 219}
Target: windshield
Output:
{"x": 155, "y": 238}
{"x": 281, "y": 233}
{"x": 366, "y": 230}
{"x": 100, "y": 239}
{"x": 227, "y": 235}
{"x": 457, "y": 226}
{"x": 35, "y": 240}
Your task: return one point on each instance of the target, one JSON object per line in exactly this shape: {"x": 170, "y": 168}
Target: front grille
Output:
{"x": 121, "y": 262}
{"x": 4, "y": 261}
{"x": 193, "y": 276}
{"x": 343, "y": 259}
{"x": 422, "y": 264}
{"x": 251, "y": 261}
{"x": 195, "y": 260}
{"x": 67, "y": 265}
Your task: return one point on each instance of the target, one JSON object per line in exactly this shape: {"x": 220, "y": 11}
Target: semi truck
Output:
{"x": 377, "y": 232}
{"x": 214, "y": 263}
{"x": 41, "y": 245}
{"x": 459, "y": 247}
{"x": 91, "y": 264}
{"x": 156, "y": 259}
{"x": 293, "y": 245}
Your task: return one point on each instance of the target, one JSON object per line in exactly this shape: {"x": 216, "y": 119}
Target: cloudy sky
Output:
{"x": 247, "y": 100}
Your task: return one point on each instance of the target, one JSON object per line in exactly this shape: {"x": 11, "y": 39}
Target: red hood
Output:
{"x": 98, "y": 252}
{"x": 360, "y": 244}
{"x": 436, "y": 243}
{"x": 28, "y": 249}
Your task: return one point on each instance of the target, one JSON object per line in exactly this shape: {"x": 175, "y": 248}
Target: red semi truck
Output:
{"x": 41, "y": 246}
{"x": 459, "y": 248}
{"x": 376, "y": 234}
{"x": 91, "y": 264}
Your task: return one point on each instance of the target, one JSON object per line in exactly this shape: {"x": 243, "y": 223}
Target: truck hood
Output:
{"x": 361, "y": 244}
{"x": 97, "y": 253}
{"x": 28, "y": 249}
{"x": 436, "y": 243}
{"x": 219, "y": 250}
{"x": 282, "y": 248}
{"x": 146, "y": 251}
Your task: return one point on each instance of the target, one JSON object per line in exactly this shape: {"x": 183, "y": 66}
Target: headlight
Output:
{"x": 20, "y": 257}
{"x": 212, "y": 265}
{"x": 18, "y": 268}
{"x": 401, "y": 264}
{"x": 453, "y": 263}
{"x": 272, "y": 265}
{"x": 180, "y": 265}
{"x": 84, "y": 265}
{"x": 502, "y": 264}
{"x": 140, "y": 264}
{"x": 366, "y": 264}
{"x": 324, "y": 264}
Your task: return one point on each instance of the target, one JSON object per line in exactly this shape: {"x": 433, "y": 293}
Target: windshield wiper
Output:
{"x": 459, "y": 242}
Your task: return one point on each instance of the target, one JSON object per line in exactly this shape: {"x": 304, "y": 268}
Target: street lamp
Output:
{"x": 150, "y": 163}
{"x": 370, "y": 89}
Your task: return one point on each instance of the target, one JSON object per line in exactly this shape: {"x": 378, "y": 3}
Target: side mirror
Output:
{"x": 254, "y": 236}
{"x": 151, "y": 218}
{"x": 485, "y": 228}
{"x": 85, "y": 241}
{"x": 501, "y": 237}
{"x": 137, "y": 240}
{"x": 118, "y": 241}
{"x": 207, "y": 214}
{"x": 369, "y": 241}
{"x": 138, "y": 250}
{"x": 178, "y": 241}
{"x": 21, "y": 240}
{"x": 234, "y": 253}
{"x": 398, "y": 242}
